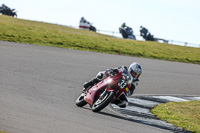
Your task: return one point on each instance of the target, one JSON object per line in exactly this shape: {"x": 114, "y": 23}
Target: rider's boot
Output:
{"x": 91, "y": 83}
{"x": 123, "y": 104}
{"x": 122, "y": 101}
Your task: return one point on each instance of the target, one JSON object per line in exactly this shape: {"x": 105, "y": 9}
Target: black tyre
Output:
{"x": 80, "y": 102}
{"x": 92, "y": 28}
{"x": 134, "y": 38}
{"x": 103, "y": 102}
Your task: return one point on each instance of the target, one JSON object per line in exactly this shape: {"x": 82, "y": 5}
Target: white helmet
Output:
{"x": 135, "y": 69}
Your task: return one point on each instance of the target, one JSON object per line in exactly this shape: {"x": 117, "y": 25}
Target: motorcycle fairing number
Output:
{"x": 122, "y": 83}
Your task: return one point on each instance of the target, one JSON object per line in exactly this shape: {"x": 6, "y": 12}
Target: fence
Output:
{"x": 138, "y": 37}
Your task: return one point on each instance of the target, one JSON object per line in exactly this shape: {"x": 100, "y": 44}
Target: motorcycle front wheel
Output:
{"x": 102, "y": 102}
{"x": 80, "y": 102}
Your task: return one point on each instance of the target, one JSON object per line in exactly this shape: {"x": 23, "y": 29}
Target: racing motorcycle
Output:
{"x": 87, "y": 26}
{"x": 127, "y": 32}
{"x": 7, "y": 11}
{"x": 105, "y": 92}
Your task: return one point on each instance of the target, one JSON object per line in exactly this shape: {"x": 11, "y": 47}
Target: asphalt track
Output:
{"x": 39, "y": 86}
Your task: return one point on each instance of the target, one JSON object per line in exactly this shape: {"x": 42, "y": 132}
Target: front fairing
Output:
{"x": 116, "y": 84}
{"x": 95, "y": 91}
{"x": 130, "y": 36}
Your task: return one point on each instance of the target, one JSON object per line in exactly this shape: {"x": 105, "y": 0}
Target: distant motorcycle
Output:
{"x": 7, "y": 11}
{"x": 105, "y": 92}
{"x": 87, "y": 26}
{"x": 127, "y": 32}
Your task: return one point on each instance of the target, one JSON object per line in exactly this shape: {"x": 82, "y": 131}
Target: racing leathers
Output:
{"x": 122, "y": 100}
{"x": 144, "y": 32}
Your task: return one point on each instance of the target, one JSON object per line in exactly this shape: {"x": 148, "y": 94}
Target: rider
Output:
{"x": 133, "y": 72}
{"x": 143, "y": 32}
{"x": 83, "y": 20}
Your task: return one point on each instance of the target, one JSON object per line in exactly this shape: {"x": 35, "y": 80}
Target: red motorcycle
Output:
{"x": 105, "y": 92}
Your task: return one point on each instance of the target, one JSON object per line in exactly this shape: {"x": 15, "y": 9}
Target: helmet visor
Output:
{"x": 135, "y": 75}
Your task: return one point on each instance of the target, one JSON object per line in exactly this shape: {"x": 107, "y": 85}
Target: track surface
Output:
{"x": 39, "y": 86}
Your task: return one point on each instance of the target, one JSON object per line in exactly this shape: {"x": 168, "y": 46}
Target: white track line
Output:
{"x": 171, "y": 98}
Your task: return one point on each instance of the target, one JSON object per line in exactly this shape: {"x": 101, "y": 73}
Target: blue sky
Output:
{"x": 169, "y": 19}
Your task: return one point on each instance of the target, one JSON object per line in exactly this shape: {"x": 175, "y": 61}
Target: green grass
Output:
{"x": 3, "y": 132}
{"x": 182, "y": 114}
{"x": 32, "y": 32}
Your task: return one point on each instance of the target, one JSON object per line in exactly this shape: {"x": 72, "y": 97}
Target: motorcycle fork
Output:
{"x": 103, "y": 94}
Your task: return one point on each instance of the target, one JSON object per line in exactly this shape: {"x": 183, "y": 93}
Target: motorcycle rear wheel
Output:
{"x": 103, "y": 102}
{"x": 80, "y": 102}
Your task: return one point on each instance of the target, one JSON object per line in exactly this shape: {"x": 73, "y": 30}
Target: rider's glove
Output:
{"x": 110, "y": 72}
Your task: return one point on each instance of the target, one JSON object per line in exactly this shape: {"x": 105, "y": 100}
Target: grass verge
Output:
{"x": 181, "y": 114}
{"x": 3, "y": 132}
{"x": 31, "y": 32}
